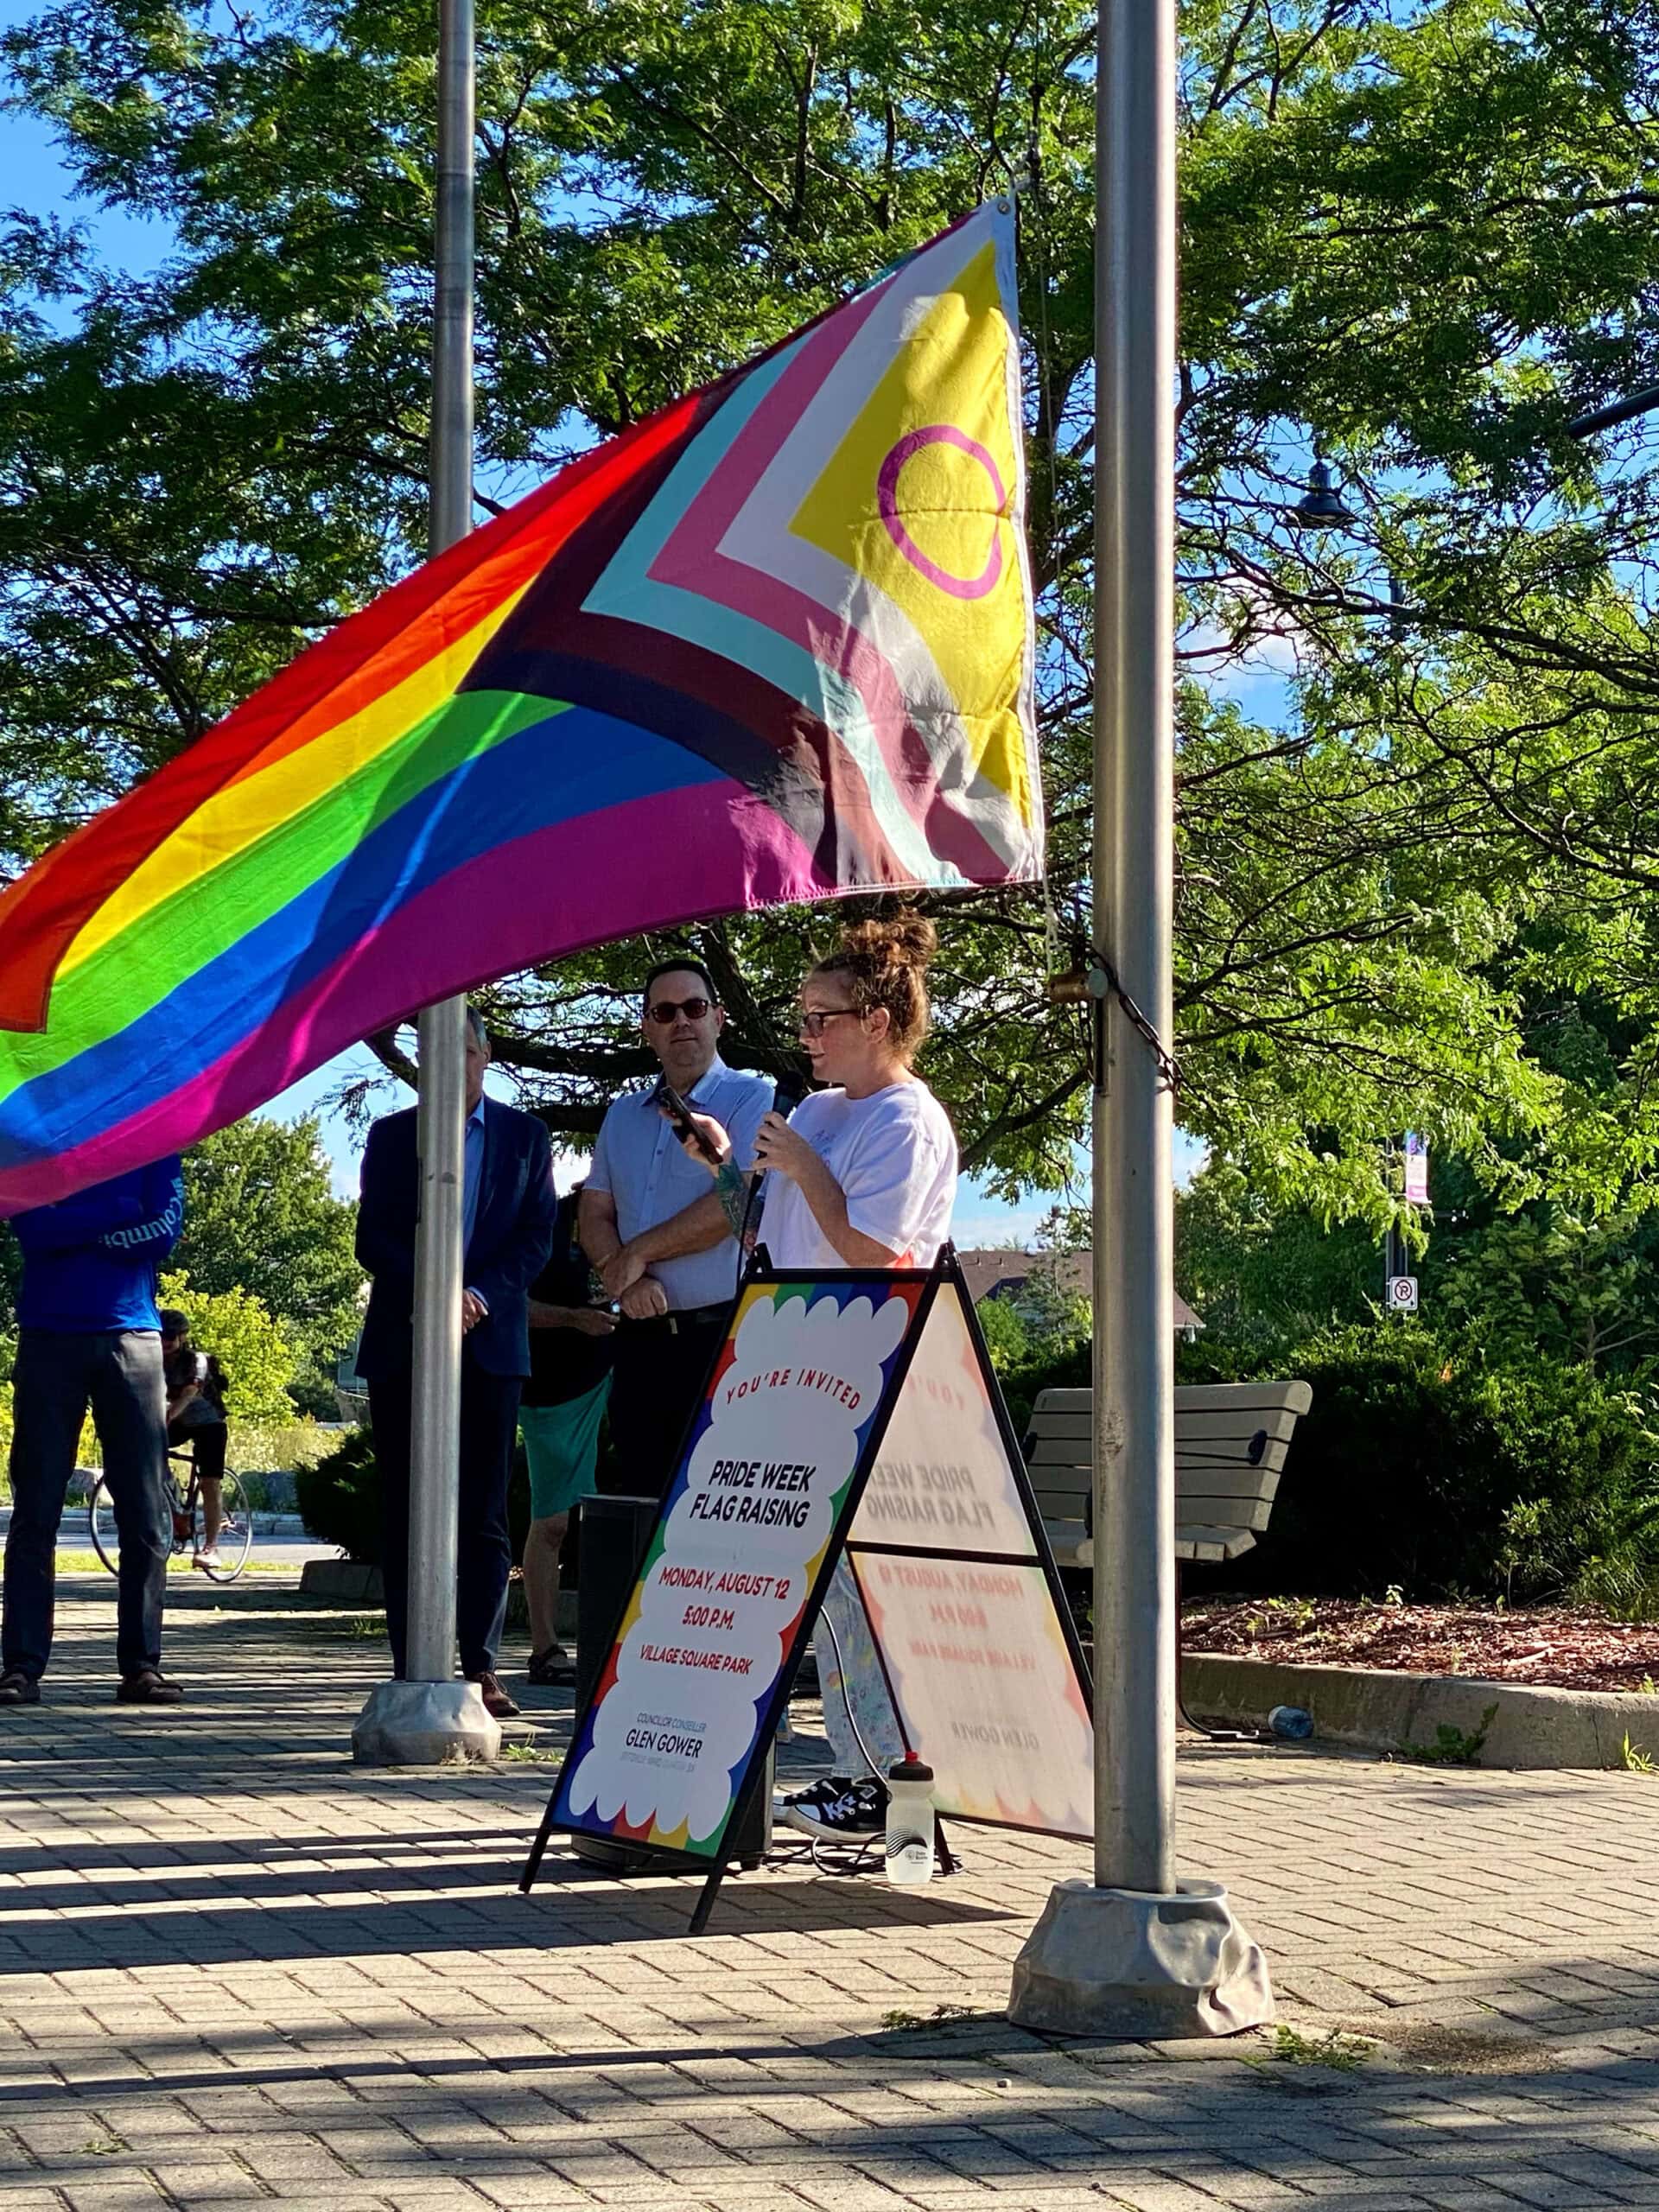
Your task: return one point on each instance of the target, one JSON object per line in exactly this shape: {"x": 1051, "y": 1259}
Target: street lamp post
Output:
{"x": 1136, "y": 1953}
{"x": 429, "y": 1718}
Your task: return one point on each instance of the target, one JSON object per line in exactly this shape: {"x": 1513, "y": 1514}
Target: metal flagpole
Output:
{"x": 430, "y": 1716}
{"x": 1134, "y": 1212}
{"x": 1136, "y": 1953}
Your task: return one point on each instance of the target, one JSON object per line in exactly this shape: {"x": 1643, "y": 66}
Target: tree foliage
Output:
{"x": 261, "y": 1218}
{"x": 1414, "y": 832}
{"x": 250, "y": 1344}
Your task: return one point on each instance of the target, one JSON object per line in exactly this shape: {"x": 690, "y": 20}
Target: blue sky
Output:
{"x": 36, "y": 180}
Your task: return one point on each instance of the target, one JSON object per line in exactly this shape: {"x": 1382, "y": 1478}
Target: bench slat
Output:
{"x": 1046, "y": 1462}
{"x": 1239, "y": 1514}
{"x": 1201, "y": 1397}
{"x": 1214, "y": 1547}
{"x": 1276, "y": 1421}
{"x": 1190, "y": 1487}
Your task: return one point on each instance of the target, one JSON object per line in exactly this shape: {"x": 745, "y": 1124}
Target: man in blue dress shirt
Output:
{"x": 89, "y": 1332}
{"x": 655, "y": 1229}
{"x": 507, "y": 1208}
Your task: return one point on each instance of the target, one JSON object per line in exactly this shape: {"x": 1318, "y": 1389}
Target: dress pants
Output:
{"x": 489, "y": 1427}
{"x": 657, "y": 1380}
{"x": 118, "y": 1372}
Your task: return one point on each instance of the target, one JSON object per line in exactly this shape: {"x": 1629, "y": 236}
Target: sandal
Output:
{"x": 551, "y": 1668}
{"x": 148, "y": 1686}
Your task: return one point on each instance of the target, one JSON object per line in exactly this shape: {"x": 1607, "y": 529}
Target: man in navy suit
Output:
{"x": 507, "y": 1209}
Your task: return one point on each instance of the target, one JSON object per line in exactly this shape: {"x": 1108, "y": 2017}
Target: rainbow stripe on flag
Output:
{"x": 772, "y": 645}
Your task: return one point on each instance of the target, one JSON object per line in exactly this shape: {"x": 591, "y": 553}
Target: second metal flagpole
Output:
{"x": 440, "y": 1124}
{"x": 1135, "y": 1953}
{"x": 430, "y": 1716}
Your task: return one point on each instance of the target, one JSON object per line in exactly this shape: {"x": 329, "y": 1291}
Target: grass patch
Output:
{"x": 530, "y": 1755}
{"x": 180, "y": 1563}
{"x": 1290, "y": 2047}
{"x": 1633, "y": 1760}
{"x": 899, "y": 2020}
{"x": 1451, "y": 1747}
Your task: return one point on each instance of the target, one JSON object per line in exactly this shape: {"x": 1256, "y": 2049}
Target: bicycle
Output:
{"x": 235, "y": 1535}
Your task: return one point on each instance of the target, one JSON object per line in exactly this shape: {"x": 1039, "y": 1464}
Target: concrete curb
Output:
{"x": 347, "y": 1581}
{"x": 1381, "y": 1710}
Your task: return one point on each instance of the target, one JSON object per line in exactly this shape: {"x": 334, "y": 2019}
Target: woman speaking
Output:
{"x": 863, "y": 1175}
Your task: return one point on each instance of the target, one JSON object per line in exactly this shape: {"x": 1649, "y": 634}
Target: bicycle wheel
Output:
{"x": 235, "y": 1536}
{"x": 101, "y": 1522}
{"x": 106, "y": 1537}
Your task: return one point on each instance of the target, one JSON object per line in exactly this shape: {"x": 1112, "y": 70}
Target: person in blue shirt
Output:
{"x": 89, "y": 1332}
{"x": 507, "y": 1208}
{"x": 656, "y": 1232}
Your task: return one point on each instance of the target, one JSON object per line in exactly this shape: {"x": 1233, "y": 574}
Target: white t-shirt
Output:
{"x": 894, "y": 1156}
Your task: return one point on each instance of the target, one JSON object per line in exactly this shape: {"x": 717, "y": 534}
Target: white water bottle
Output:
{"x": 910, "y": 1822}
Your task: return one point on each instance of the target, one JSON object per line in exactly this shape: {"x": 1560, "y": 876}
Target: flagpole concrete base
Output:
{"x": 425, "y": 1723}
{"x": 1142, "y": 1968}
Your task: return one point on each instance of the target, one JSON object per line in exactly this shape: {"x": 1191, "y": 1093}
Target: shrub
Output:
{"x": 339, "y": 1498}
{"x": 1421, "y": 1467}
{"x": 1451, "y": 1479}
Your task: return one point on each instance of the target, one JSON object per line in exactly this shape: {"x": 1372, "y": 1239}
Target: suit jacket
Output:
{"x": 512, "y": 1236}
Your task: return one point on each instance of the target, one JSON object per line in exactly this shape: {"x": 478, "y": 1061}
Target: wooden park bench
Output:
{"x": 1230, "y": 1442}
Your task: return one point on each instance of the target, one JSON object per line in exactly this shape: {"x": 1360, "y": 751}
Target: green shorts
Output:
{"x": 562, "y": 1443}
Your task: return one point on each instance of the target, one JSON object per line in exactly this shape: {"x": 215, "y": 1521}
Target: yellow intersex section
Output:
{"x": 952, "y": 369}
{"x": 256, "y": 804}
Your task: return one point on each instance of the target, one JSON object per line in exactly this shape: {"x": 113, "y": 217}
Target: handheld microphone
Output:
{"x": 787, "y": 1094}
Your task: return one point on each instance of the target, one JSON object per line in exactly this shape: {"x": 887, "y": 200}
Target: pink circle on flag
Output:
{"x": 887, "y": 493}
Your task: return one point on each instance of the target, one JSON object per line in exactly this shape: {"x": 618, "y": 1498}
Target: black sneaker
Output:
{"x": 837, "y": 1809}
{"x": 17, "y": 1689}
{"x": 815, "y": 1793}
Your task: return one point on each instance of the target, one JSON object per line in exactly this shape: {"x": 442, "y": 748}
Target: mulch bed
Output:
{"x": 1550, "y": 1646}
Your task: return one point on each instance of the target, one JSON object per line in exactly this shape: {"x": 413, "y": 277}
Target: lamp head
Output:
{"x": 1320, "y": 506}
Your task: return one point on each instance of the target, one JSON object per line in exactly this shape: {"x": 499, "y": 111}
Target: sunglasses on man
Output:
{"x": 667, "y": 1010}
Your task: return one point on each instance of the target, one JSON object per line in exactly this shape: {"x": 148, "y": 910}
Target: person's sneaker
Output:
{"x": 837, "y": 1809}
{"x": 148, "y": 1686}
{"x": 815, "y": 1793}
{"x": 17, "y": 1689}
{"x": 497, "y": 1703}
{"x": 553, "y": 1666}
{"x": 208, "y": 1556}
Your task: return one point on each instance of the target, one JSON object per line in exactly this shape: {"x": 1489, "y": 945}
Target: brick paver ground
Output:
{"x": 234, "y": 1970}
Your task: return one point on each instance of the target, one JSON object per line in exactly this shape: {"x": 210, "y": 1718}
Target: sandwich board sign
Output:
{"x": 854, "y": 1411}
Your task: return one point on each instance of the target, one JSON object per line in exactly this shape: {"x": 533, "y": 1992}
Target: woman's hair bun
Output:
{"x": 885, "y": 964}
{"x": 908, "y": 937}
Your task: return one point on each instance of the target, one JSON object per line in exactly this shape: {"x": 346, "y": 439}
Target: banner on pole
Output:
{"x": 1416, "y": 1170}
{"x": 842, "y": 1410}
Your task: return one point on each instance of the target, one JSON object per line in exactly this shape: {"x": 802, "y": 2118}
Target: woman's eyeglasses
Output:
{"x": 667, "y": 1010}
{"x": 811, "y": 1025}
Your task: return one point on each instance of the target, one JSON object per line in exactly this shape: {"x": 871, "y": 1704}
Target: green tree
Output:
{"x": 1259, "y": 1276}
{"x": 1416, "y": 239}
{"x": 261, "y": 1218}
{"x": 250, "y": 1344}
